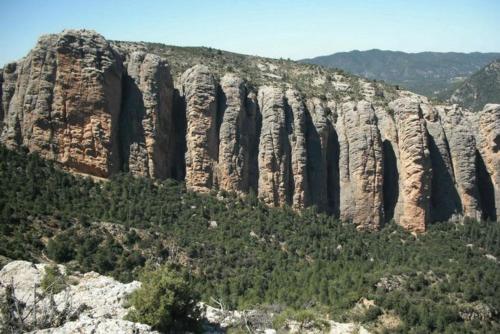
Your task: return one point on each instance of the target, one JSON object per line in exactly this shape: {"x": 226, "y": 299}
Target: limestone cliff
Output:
{"x": 415, "y": 174}
{"x": 147, "y": 116}
{"x": 63, "y": 101}
{"x": 202, "y": 138}
{"x": 361, "y": 166}
{"x": 360, "y": 151}
{"x": 489, "y": 148}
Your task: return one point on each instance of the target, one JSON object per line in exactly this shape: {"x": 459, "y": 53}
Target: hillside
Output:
{"x": 246, "y": 254}
{"x": 481, "y": 88}
{"x": 311, "y": 80}
{"x": 429, "y": 73}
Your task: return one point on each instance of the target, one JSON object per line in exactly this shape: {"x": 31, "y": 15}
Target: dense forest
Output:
{"x": 247, "y": 255}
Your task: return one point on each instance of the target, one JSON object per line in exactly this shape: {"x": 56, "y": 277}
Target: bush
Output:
{"x": 53, "y": 281}
{"x": 165, "y": 301}
{"x": 372, "y": 314}
{"x": 60, "y": 250}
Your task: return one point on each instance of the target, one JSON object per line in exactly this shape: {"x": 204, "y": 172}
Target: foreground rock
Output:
{"x": 261, "y": 321}
{"x": 98, "y": 326}
{"x": 96, "y": 304}
{"x": 92, "y": 303}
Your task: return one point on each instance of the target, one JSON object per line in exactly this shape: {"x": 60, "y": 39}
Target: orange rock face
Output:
{"x": 415, "y": 174}
{"x": 67, "y": 103}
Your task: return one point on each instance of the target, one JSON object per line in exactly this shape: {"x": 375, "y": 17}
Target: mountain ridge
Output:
{"x": 481, "y": 87}
{"x": 428, "y": 73}
{"x": 295, "y": 134}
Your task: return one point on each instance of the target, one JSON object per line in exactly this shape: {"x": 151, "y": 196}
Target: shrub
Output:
{"x": 60, "y": 250}
{"x": 53, "y": 281}
{"x": 165, "y": 301}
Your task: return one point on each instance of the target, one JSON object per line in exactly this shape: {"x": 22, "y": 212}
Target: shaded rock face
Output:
{"x": 147, "y": 118}
{"x": 99, "y": 109}
{"x": 488, "y": 138}
{"x": 283, "y": 174}
{"x": 237, "y": 136}
{"x": 462, "y": 146}
{"x": 445, "y": 200}
{"x": 323, "y": 156}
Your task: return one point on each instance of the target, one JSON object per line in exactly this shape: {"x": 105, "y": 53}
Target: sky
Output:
{"x": 293, "y": 29}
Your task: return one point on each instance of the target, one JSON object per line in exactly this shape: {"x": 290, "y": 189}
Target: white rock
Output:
{"x": 99, "y": 326}
{"x": 101, "y": 298}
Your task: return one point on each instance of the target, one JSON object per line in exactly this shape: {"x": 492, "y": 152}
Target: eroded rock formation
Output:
{"x": 66, "y": 102}
{"x": 361, "y": 168}
{"x": 274, "y": 149}
{"x": 147, "y": 117}
{"x": 462, "y": 147}
{"x": 98, "y": 109}
{"x": 202, "y": 139}
{"x": 415, "y": 174}
{"x": 489, "y": 149}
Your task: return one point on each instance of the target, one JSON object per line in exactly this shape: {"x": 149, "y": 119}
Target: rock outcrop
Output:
{"x": 415, "y": 174}
{"x": 97, "y": 303}
{"x": 99, "y": 108}
{"x": 489, "y": 148}
{"x": 237, "y": 136}
{"x": 274, "y": 149}
{"x": 66, "y": 102}
{"x": 462, "y": 147}
{"x": 295, "y": 113}
{"x": 361, "y": 168}
{"x": 147, "y": 122}
{"x": 202, "y": 139}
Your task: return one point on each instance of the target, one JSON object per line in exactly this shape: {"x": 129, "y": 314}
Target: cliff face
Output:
{"x": 98, "y": 108}
{"x": 63, "y": 100}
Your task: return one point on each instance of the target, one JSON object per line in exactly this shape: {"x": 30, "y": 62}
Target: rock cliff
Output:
{"x": 353, "y": 148}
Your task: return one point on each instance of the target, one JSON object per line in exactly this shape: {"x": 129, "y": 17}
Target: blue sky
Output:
{"x": 290, "y": 29}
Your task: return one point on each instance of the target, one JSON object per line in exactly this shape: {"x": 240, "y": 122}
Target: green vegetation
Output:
{"x": 434, "y": 74}
{"x": 53, "y": 281}
{"x": 164, "y": 301}
{"x": 440, "y": 281}
{"x": 311, "y": 80}
{"x": 481, "y": 88}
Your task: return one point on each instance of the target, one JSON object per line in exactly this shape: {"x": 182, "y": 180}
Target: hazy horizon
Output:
{"x": 276, "y": 29}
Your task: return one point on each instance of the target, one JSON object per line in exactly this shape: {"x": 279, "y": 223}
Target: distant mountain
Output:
{"x": 427, "y": 73}
{"x": 481, "y": 88}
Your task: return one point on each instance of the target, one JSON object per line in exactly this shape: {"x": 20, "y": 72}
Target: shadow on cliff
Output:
{"x": 132, "y": 112}
{"x": 391, "y": 180}
{"x": 445, "y": 200}
{"x": 178, "y": 169}
{"x": 485, "y": 190}
{"x": 168, "y": 146}
{"x": 323, "y": 168}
